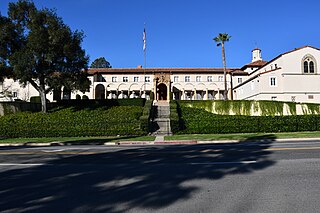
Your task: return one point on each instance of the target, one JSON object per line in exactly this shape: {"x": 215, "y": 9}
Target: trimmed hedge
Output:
{"x": 67, "y": 122}
{"x": 195, "y": 120}
{"x": 145, "y": 119}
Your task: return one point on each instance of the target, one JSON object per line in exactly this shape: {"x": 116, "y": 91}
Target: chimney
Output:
{"x": 139, "y": 66}
{"x": 256, "y": 55}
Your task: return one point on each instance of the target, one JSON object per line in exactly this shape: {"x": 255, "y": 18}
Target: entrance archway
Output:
{"x": 162, "y": 92}
{"x": 100, "y": 92}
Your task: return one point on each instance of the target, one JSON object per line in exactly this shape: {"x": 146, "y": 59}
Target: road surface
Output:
{"x": 253, "y": 177}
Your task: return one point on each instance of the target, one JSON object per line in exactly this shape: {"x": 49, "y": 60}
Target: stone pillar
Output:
{"x": 207, "y": 94}
{"x": 183, "y": 94}
{"x": 168, "y": 92}
{"x": 195, "y": 94}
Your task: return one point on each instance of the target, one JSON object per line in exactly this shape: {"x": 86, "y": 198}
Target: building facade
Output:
{"x": 291, "y": 76}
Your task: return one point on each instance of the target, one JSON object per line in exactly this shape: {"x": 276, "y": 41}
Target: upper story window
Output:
{"x": 136, "y": 79}
{"x": 239, "y": 80}
{"x": 273, "y": 81}
{"x": 309, "y": 64}
{"x": 220, "y": 78}
{"x": 114, "y": 79}
{"x": 147, "y": 79}
{"x": 198, "y": 78}
{"x": 209, "y": 78}
{"x": 187, "y": 78}
{"x": 125, "y": 79}
{"x": 175, "y": 78}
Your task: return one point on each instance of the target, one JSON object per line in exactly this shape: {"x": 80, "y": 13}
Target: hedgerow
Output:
{"x": 197, "y": 120}
{"x": 72, "y": 121}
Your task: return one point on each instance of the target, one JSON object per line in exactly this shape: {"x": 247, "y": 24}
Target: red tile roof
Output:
{"x": 93, "y": 71}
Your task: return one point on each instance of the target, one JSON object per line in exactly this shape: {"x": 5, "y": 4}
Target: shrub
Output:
{"x": 197, "y": 120}
{"x": 78, "y": 97}
{"x": 67, "y": 122}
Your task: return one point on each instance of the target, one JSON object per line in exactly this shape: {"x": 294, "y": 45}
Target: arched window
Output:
{"x": 305, "y": 67}
{"x": 309, "y": 65}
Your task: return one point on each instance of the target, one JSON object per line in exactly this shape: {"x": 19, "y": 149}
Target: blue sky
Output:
{"x": 180, "y": 32}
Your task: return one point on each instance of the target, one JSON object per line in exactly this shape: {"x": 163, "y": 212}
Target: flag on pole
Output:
{"x": 144, "y": 38}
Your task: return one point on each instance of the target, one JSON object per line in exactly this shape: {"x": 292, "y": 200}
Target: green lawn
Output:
{"x": 244, "y": 136}
{"x": 77, "y": 140}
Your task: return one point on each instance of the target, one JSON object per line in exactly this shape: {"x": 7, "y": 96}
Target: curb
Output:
{"x": 178, "y": 142}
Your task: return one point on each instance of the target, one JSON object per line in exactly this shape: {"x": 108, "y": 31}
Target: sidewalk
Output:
{"x": 160, "y": 141}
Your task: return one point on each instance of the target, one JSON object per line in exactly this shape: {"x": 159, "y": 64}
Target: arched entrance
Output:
{"x": 100, "y": 92}
{"x": 162, "y": 92}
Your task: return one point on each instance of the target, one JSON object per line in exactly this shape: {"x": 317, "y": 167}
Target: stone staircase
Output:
{"x": 161, "y": 119}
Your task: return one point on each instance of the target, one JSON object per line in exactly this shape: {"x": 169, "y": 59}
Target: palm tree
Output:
{"x": 220, "y": 40}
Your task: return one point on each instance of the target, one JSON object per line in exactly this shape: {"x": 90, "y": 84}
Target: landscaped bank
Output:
{"x": 81, "y": 120}
{"x": 190, "y": 118}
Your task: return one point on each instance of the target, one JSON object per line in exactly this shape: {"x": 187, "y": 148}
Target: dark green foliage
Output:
{"x": 200, "y": 121}
{"x": 67, "y": 122}
{"x": 145, "y": 119}
{"x": 78, "y": 97}
{"x": 174, "y": 117}
{"x": 35, "y": 99}
{"x": 100, "y": 63}
{"x": 41, "y": 50}
{"x": 84, "y": 97}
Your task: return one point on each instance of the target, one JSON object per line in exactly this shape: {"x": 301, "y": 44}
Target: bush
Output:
{"x": 78, "y": 97}
{"x": 200, "y": 121}
{"x": 71, "y": 122}
{"x": 84, "y": 97}
{"x": 145, "y": 119}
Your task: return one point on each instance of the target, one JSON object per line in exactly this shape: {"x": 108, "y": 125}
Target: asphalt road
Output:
{"x": 249, "y": 177}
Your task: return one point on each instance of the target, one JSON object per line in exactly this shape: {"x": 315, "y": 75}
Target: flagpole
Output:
{"x": 145, "y": 56}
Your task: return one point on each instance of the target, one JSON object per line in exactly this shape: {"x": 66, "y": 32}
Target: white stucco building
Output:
{"x": 291, "y": 76}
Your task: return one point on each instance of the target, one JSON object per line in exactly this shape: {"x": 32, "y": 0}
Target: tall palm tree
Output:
{"x": 220, "y": 40}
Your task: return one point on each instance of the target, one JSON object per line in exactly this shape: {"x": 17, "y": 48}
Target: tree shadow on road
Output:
{"x": 152, "y": 177}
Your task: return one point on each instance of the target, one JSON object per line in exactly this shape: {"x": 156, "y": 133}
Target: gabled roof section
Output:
{"x": 256, "y": 64}
{"x": 291, "y": 51}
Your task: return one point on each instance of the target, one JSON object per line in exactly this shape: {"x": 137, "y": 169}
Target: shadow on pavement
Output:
{"x": 151, "y": 177}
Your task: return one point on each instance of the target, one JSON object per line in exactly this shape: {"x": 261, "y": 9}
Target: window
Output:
{"x": 274, "y": 98}
{"x": 293, "y": 98}
{"x": 125, "y": 79}
{"x": 220, "y": 78}
{"x": 198, "y": 78}
{"x": 147, "y": 79}
{"x": 239, "y": 80}
{"x": 176, "y": 78}
{"x": 309, "y": 64}
{"x": 273, "y": 81}
{"x": 114, "y": 79}
{"x": 187, "y": 78}
{"x": 15, "y": 94}
{"x": 310, "y": 96}
{"x": 136, "y": 79}
{"x": 209, "y": 78}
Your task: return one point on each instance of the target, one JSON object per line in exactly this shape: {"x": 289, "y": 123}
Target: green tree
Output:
{"x": 100, "y": 63}
{"x": 41, "y": 50}
{"x": 220, "y": 40}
